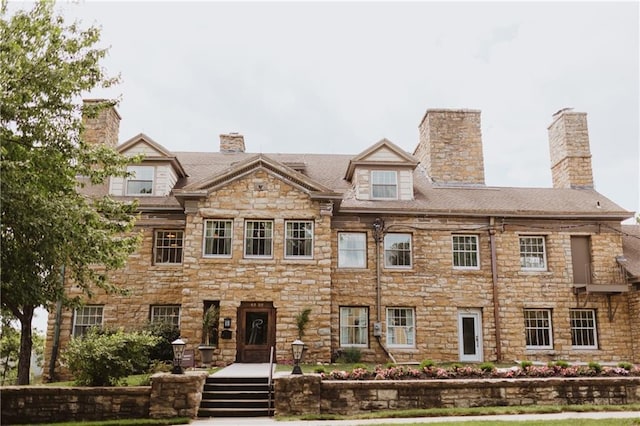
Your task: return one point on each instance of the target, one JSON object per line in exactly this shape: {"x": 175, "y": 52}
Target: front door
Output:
{"x": 256, "y": 331}
{"x": 470, "y": 335}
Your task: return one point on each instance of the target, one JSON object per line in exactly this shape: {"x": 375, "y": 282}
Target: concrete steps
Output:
{"x": 236, "y": 397}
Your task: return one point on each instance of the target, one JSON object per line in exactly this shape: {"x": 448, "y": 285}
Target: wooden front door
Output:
{"x": 256, "y": 331}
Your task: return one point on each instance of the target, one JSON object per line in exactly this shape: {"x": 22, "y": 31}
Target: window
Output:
{"x": 583, "y": 329}
{"x": 537, "y": 327}
{"x": 384, "y": 184}
{"x": 217, "y": 237}
{"x": 299, "y": 239}
{"x": 465, "y": 251}
{"x": 140, "y": 181}
{"x": 397, "y": 250}
{"x": 354, "y": 328}
{"x": 166, "y": 313}
{"x": 258, "y": 241}
{"x": 168, "y": 246}
{"x": 532, "y": 254}
{"x": 400, "y": 328}
{"x": 86, "y": 317}
{"x": 352, "y": 250}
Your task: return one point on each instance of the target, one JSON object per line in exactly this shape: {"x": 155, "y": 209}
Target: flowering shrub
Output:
{"x": 457, "y": 371}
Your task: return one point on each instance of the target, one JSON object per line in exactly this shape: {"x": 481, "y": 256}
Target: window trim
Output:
{"x": 165, "y": 306}
{"x": 245, "y": 240}
{"x": 86, "y": 327}
{"x": 204, "y": 239}
{"x": 156, "y": 248}
{"x": 385, "y": 250}
{"x": 545, "y": 267}
{"x": 477, "y": 252}
{"x": 364, "y": 250}
{"x": 411, "y": 336}
{"x": 358, "y": 327}
{"x": 594, "y": 330}
{"x": 549, "y": 330}
{"x": 395, "y": 184}
{"x": 287, "y": 239}
{"x": 128, "y": 179}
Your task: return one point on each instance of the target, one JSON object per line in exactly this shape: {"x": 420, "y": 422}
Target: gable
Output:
{"x": 383, "y": 153}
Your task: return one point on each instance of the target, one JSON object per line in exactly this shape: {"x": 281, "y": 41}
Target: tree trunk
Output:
{"x": 26, "y": 344}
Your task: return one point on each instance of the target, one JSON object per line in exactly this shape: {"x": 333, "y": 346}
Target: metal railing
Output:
{"x": 270, "y": 381}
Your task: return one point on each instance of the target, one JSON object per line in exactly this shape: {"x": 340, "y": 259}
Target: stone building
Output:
{"x": 402, "y": 256}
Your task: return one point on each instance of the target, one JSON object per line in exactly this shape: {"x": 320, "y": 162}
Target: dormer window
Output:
{"x": 140, "y": 181}
{"x": 384, "y": 184}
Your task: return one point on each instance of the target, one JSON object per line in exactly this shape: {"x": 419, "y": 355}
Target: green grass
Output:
{"x": 475, "y": 411}
{"x": 567, "y": 422}
{"x": 130, "y": 422}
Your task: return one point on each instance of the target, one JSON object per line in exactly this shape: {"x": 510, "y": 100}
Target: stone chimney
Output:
{"x": 569, "y": 150}
{"x": 104, "y": 127}
{"x": 450, "y": 146}
{"x": 232, "y": 143}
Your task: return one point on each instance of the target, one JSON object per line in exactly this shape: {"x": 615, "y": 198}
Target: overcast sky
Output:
{"x": 338, "y": 77}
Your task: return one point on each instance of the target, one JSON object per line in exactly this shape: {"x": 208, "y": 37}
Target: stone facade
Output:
{"x": 424, "y": 304}
{"x": 311, "y": 395}
{"x": 102, "y": 129}
{"x": 570, "y": 150}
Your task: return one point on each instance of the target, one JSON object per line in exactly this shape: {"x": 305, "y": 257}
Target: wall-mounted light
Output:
{"x": 226, "y": 323}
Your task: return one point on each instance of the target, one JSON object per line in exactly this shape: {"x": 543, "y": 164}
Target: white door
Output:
{"x": 470, "y": 335}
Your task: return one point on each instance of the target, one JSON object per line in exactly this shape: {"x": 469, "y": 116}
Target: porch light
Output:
{"x": 178, "y": 351}
{"x": 297, "y": 347}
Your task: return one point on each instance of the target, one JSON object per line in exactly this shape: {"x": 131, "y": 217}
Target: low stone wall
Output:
{"x": 310, "y": 395}
{"x": 44, "y": 404}
{"x": 170, "y": 395}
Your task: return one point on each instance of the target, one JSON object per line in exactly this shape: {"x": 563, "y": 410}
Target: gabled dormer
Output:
{"x": 382, "y": 172}
{"x": 155, "y": 175}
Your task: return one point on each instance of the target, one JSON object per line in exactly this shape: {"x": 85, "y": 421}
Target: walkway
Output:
{"x": 270, "y": 421}
{"x": 244, "y": 370}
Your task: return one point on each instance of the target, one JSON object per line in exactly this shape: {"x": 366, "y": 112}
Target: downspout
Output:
{"x": 496, "y": 299}
{"x": 378, "y": 235}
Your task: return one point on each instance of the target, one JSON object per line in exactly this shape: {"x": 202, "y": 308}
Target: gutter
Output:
{"x": 494, "y": 287}
{"x": 378, "y": 236}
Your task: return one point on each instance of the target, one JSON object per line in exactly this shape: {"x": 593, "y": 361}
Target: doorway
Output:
{"x": 470, "y": 335}
{"x": 256, "y": 331}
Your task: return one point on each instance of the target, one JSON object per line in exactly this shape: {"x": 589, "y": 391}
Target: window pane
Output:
{"x": 353, "y": 326}
{"x": 140, "y": 181}
{"x": 299, "y": 239}
{"x": 397, "y": 250}
{"x": 258, "y": 238}
{"x": 384, "y": 184}
{"x": 168, "y": 246}
{"x": 537, "y": 324}
{"x": 352, "y": 250}
{"x": 87, "y": 317}
{"x": 217, "y": 238}
{"x": 166, "y": 313}
{"x": 465, "y": 251}
{"x": 400, "y": 327}
{"x": 532, "y": 253}
{"x": 583, "y": 328}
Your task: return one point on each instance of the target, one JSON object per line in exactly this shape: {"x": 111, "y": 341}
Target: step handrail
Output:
{"x": 270, "y": 379}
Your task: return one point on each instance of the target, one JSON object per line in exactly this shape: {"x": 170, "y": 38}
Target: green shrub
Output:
{"x": 487, "y": 367}
{"x": 595, "y": 366}
{"x": 319, "y": 369}
{"x": 456, "y": 366}
{"x": 389, "y": 365}
{"x": 360, "y": 366}
{"x": 427, "y": 363}
{"x": 104, "y": 358}
{"x": 562, "y": 364}
{"x": 352, "y": 355}
{"x": 167, "y": 332}
{"x": 626, "y": 365}
{"x": 525, "y": 364}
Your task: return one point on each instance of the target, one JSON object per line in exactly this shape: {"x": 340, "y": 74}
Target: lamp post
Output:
{"x": 297, "y": 347}
{"x": 178, "y": 350}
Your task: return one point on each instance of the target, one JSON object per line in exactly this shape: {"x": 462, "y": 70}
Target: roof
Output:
{"x": 328, "y": 171}
{"x": 631, "y": 250}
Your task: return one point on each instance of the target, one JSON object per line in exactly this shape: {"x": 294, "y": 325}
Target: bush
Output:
{"x": 167, "y": 332}
{"x": 626, "y": 365}
{"x": 351, "y": 355}
{"x": 562, "y": 364}
{"x": 319, "y": 370}
{"x": 427, "y": 363}
{"x": 525, "y": 364}
{"x": 595, "y": 366}
{"x": 104, "y": 358}
{"x": 487, "y": 367}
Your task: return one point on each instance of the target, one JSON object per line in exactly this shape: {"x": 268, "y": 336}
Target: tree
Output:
{"x": 50, "y": 231}
{"x": 10, "y": 351}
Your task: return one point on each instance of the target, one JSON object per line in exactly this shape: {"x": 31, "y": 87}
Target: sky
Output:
{"x": 336, "y": 77}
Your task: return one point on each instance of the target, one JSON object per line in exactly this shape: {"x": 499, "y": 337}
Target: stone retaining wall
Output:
{"x": 310, "y": 395}
{"x": 168, "y": 396}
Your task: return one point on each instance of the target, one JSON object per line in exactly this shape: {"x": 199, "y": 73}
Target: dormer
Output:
{"x": 382, "y": 172}
{"x": 155, "y": 175}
